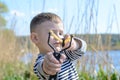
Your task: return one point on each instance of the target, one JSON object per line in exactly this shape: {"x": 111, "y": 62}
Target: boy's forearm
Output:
{"x": 79, "y": 44}
{"x": 78, "y": 52}
{"x": 83, "y": 46}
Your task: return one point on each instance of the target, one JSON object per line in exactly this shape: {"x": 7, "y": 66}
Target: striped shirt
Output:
{"x": 68, "y": 71}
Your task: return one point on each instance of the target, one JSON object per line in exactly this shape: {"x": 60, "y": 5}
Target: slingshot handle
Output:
{"x": 57, "y": 56}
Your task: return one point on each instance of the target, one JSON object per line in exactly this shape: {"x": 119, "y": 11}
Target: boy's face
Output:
{"x": 42, "y": 31}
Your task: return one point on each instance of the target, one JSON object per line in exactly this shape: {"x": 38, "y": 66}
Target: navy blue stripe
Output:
{"x": 34, "y": 69}
{"x": 74, "y": 55}
{"x": 65, "y": 67}
{"x": 38, "y": 57}
{"x": 41, "y": 74}
{"x": 77, "y": 53}
{"x": 71, "y": 55}
{"x": 68, "y": 54}
{"x": 35, "y": 65}
{"x": 72, "y": 75}
{"x": 71, "y": 69}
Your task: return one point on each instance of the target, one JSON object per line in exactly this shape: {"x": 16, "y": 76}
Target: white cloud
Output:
{"x": 17, "y": 13}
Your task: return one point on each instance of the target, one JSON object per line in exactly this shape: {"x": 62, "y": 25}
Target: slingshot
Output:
{"x": 56, "y": 53}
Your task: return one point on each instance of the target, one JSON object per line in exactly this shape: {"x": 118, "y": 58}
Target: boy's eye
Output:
{"x": 60, "y": 33}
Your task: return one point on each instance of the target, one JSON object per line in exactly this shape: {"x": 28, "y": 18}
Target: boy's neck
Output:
{"x": 42, "y": 52}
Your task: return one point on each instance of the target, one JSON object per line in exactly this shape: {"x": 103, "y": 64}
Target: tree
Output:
{"x": 3, "y": 9}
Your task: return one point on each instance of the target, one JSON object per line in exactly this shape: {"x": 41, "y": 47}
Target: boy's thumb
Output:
{"x": 62, "y": 58}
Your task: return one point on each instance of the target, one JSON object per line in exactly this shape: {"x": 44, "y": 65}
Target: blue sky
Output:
{"x": 106, "y": 15}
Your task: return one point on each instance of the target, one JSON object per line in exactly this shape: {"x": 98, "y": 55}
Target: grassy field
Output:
{"x": 11, "y": 68}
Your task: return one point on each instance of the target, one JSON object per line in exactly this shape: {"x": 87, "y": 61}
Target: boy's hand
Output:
{"x": 51, "y": 65}
{"x": 74, "y": 44}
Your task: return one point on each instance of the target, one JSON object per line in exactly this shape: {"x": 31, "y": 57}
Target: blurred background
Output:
{"x": 95, "y": 21}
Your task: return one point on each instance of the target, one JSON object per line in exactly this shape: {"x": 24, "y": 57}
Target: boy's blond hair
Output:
{"x": 42, "y": 17}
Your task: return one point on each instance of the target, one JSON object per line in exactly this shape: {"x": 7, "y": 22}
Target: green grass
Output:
{"x": 25, "y": 72}
{"x": 12, "y": 69}
{"x": 101, "y": 75}
{"x": 21, "y": 72}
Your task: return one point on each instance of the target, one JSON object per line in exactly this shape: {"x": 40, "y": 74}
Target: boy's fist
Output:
{"x": 51, "y": 65}
{"x": 74, "y": 44}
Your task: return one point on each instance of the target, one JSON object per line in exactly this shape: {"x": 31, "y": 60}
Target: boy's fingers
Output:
{"x": 55, "y": 61}
{"x": 66, "y": 42}
{"x": 52, "y": 65}
{"x": 53, "y": 69}
{"x": 49, "y": 66}
{"x": 51, "y": 58}
{"x": 48, "y": 70}
{"x": 51, "y": 72}
{"x": 62, "y": 58}
{"x": 66, "y": 36}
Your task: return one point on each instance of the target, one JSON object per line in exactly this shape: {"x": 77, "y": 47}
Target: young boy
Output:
{"x": 46, "y": 64}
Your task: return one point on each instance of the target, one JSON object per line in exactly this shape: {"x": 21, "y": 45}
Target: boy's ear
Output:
{"x": 34, "y": 37}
